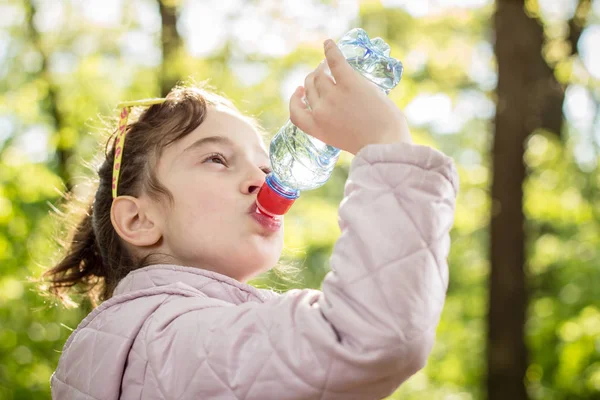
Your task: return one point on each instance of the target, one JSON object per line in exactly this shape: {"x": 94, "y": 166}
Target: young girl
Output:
{"x": 171, "y": 249}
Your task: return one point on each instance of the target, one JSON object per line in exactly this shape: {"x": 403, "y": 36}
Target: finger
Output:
{"x": 300, "y": 115}
{"x": 340, "y": 69}
{"x": 323, "y": 81}
{"x": 312, "y": 94}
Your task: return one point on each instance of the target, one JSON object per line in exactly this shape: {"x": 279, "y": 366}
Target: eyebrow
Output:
{"x": 215, "y": 140}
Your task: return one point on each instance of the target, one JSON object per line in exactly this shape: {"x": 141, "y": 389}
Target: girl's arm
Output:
{"x": 372, "y": 326}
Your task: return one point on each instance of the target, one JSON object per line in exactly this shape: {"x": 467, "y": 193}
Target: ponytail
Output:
{"x": 82, "y": 266}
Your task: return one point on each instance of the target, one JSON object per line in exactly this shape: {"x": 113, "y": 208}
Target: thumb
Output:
{"x": 300, "y": 114}
{"x": 340, "y": 69}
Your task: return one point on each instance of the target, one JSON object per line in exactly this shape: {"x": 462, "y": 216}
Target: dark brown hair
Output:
{"x": 94, "y": 259}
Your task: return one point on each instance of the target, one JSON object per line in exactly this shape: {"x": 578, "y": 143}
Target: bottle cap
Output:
{"x": 272, "y": 203}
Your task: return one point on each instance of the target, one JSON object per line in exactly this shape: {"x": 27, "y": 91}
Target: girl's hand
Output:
{"x": 348, "y": 111}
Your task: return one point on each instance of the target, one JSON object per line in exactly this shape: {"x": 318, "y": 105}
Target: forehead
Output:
{"x": 226, "y": 123}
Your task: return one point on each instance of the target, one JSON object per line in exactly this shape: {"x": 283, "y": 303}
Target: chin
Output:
{"x": 256, "y": 257}
{"x": 255, "y": 270}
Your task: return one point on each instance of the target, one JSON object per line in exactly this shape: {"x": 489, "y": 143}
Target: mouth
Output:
{"x": 254, "y": 209}
{"x": 271, "y": 223}
{"x": 268, "y": 223}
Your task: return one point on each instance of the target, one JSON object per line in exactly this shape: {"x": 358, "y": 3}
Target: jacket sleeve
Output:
{"x": 370, "y": 328}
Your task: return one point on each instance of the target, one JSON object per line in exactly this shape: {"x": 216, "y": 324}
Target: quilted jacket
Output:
{"x": 177, "y": 332}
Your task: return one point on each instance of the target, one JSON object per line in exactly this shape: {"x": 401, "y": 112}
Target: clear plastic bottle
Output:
{"x": 303, "y": 162}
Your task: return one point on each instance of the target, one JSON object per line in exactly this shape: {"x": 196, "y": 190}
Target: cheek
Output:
{"x": 206, "y": 210}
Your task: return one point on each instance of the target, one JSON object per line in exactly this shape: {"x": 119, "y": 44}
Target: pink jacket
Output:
{"x": 174, "y": 332}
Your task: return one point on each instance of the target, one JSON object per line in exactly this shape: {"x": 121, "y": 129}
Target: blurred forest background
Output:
{"x": 509, "y": 89}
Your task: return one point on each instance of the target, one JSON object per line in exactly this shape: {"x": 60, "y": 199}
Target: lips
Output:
{"x": 269, "y": 223}
{"x": 253, "y": 209}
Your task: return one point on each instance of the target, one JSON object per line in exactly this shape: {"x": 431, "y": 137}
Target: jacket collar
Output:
{"x": 209, "y": 283}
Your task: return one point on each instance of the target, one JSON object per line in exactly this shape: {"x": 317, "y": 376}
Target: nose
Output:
{"x": 253, "y": 181}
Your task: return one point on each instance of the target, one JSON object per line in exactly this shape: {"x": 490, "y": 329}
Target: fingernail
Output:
{"x": 327, "y": 43}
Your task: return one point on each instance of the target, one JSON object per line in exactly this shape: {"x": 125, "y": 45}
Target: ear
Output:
{"x": 134, "y": 221}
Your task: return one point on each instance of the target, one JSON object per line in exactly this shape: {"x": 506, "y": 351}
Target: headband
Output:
{"x": 122, "y": 130}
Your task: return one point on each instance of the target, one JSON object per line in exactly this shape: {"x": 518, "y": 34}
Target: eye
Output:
{"x": 217, "y": 156}
{"x": 223, "y": 160}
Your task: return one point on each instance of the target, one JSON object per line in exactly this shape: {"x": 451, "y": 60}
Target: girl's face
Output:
{"x": 209, "y": 225}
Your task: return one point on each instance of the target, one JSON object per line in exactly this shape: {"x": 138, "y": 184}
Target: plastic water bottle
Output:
{"x": 303, "y": 162}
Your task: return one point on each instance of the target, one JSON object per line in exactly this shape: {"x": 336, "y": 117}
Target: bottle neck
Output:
{"x": 278, "y": 187}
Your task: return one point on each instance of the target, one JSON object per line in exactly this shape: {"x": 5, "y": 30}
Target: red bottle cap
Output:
{"x": 271, "y": 202}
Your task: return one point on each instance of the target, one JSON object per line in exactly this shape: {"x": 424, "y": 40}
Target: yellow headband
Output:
{"x": 120, "y": 139}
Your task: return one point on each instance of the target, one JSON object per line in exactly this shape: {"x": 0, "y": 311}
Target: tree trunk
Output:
{"x": 171, "y": 45}
{"x": 50, "y": 104}
{"x": 529, "y": 97}
{"x": 507, "y": 355}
